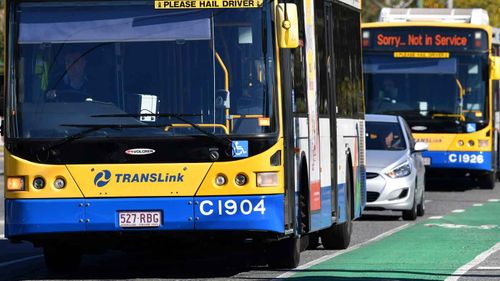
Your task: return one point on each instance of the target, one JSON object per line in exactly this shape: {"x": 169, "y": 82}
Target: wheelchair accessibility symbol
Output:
{"x": 240, "y": 149}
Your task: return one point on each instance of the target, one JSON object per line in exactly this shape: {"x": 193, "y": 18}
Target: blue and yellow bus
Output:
{"x": 435, "y": 67}
{"x": 131, "y": 120}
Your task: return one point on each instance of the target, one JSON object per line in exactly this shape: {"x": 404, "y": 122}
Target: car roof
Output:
{"x": 381, "y": 118}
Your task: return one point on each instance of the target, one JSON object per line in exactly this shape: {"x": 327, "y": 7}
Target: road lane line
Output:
{"x": 338, "y": 253}
{"x": 488, "y": 267}
{"x": 477, "y": 260}
{"x": 493, "y": 200}
{"x": 435, "y": 217}
{"x": 458, "y": 211}
{"x": 478, "y": 205}
{"x": 20, "y": 260}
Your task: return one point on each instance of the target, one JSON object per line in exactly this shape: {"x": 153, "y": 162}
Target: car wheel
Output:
{"x": 421, "y": 206}
{"x": 411, "y": 215}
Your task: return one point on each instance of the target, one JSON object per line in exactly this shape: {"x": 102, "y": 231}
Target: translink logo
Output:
{"x": 102, "y": 178}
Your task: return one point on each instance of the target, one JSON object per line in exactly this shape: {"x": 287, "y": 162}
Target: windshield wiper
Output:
{"x": 93, "y": 128}
{"x": 179, "y": 116}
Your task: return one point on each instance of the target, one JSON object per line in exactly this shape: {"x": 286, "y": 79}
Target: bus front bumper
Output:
{"x": 43, "y": 216}
{"x": 470, "y": 160}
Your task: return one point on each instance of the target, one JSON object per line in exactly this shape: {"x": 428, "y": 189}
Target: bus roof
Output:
{"x": 473, "y": 16}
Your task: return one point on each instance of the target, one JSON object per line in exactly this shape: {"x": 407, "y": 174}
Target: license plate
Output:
{"x": 139, "y": 219}
{"x": 427, "y": 161}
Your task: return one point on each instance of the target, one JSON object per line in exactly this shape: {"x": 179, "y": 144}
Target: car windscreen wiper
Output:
{"x": 92, "y": 128}
{"x": 179, "y": 116}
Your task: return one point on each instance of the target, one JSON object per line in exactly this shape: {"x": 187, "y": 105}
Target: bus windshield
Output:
{"x": 117, "y": 63}
{"x": 445, "y": 94}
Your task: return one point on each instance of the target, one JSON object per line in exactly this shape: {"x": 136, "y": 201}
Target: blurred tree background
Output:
{"x": 371, "y": 8}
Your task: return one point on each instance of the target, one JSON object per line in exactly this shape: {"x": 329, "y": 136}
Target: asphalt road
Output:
{"x": 22, "y": 261}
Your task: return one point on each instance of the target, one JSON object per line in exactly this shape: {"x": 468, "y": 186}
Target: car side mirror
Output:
{"x": 420, "y": 146}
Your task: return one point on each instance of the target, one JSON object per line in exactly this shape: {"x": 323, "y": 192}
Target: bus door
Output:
{"x": 332, "y": 111}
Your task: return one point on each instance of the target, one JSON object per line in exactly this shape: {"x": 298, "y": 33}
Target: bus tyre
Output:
{"x": 61, "y": 259}
{"x": 313, "y": 241}
{"x": 487, "y": 181}
{"x": 338, "y": 236}
{"x": 284, "y": 253}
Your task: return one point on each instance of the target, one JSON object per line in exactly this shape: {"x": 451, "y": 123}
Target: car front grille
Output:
{"x": 372, "y": 196}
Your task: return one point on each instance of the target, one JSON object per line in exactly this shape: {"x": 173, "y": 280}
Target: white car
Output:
{"x": 395, "y": 171}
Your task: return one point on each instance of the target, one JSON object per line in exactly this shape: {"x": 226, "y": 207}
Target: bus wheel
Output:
{"x": 313, "y": 241}
{"x": 338, "y": 236}
{"x": 61, "y": 259}
{"x": 284, "y": 253}
{"x": 487, "y": 181}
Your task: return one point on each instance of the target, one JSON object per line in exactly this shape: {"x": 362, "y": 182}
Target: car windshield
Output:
{"x": 384, "y": 136}
{"x": 444, "y": 93}
{"x": 125, "y": 63}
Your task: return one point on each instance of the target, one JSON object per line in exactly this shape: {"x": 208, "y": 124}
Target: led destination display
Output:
{"x": 425, "y": 39}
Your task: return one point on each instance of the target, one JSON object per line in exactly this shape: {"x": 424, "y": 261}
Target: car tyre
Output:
{"x": 421, "y": 206}
{"x": 411, "y": 215}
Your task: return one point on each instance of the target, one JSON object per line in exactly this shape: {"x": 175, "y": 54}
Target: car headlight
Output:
{"x": 400, "y": 171}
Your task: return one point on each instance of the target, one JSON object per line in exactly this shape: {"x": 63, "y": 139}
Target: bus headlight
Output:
{"x": 59, "y": 183}
{"x": 267, "y": 179}
{"x": 460, "y": 143}
{"x": 470, "y": 143}
{"x": 220, "y": 180}
{"x": 400, "y": 171}
{"x": 38, "y": 183}
{"x": 15, "y": 184}
{"x": 240, "y": 179}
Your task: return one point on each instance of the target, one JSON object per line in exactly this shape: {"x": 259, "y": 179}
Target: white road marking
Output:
{"x": 477, "y": 260}
{"x": 435, "y": 217}
{"x": 493, "y": 200}
{"x": 488, "y": 267}
{"x": 20, "y": 260}
{"x": 455, "y": 226}
{"x": 458, "y": 211}
{"x": 427, "y": 201}
{"x": 478, "y": 205}
{"x": 338, "y": 253}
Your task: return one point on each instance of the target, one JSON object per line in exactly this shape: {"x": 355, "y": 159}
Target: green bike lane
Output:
{"x": 432, "y": 249}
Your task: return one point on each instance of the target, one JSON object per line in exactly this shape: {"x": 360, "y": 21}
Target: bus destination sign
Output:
{"x": 425, "y": 39}
{"x": 207, "y": 4}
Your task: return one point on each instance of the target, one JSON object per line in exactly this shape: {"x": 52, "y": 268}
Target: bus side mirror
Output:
{"x": 495, "y": 68}
{"x": 287, "y": 25}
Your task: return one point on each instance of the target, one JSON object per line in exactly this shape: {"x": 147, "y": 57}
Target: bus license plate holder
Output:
{"x": 130, "y": 219}
{"x": 427, "y": 161}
